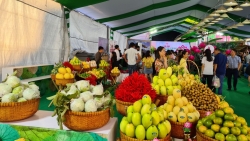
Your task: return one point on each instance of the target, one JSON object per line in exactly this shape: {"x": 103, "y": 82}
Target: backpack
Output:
{"x": 148, "y": 63}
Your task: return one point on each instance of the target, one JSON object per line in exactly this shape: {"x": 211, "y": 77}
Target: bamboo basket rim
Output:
{"x": 123, "y": 103}
{"x": 122, "y": 134}
{"x": 199, "y": 74}
{"x": 88, "y": 114}
{"x": 13, "y": 104}
{"x": 203, "y": 136}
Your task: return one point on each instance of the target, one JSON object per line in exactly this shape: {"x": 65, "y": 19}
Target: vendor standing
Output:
{"x": 118, "y": 56}
{"x": 98, "y": 55}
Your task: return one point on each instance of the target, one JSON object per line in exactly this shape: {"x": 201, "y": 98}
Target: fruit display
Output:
{"x": 179, "y": 109}
{"x": 115, "y": 70}
{"x": 93, "y": 64}
{"x": 201, "y": 96}
{"x": 56, "y": 67}
{"x": 12, "y": 90}
{"x": 81, "y": 97}
{"x": 64, "y": 73}
{"x": 224, "y": 125}
{"x": 86, "y": 65}
{"x": 103, "y": 63}
{"x": 145, "y": 121}
{"x": 75, "y": 61}
{"x": 99, "y": 73}
{"x": 84, "y": 75}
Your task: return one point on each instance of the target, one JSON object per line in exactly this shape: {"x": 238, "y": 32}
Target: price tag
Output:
{"x": 208, "y": 113}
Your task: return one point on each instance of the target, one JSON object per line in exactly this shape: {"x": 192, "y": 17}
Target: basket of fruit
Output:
{"x": 161, "y": 99}
{"x": 64, "y": 76}
{"x": 115, "y": 72}
{"x": 132, "y": 89}
{"x": 180, "y": 111}
{"x": 55, "y": 70}
{"x": 77, "y": 67}
{"x": 223, "y": 124}
{"x": 103, "y": 64}
{"x": 204, "y": 100}
{"x": 138, "y": 124}
{"x": 53, "y": 77}
{"x": 80, "y": 108}
{"x": 76, "y": 63}
{"x": 18, "y": 101}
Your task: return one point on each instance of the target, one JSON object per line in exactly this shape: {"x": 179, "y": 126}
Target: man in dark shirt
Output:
{"x": 98, "y": 56}
{"x": 220, "y": 62}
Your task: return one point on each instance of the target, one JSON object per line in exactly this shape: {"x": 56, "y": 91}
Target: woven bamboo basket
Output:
{"x": 162, "y": 99}
{"x": 115, "y": 74}
{"x": 53, "y": 76}
{"x": 83, "y": 121}
{"x": 201, "y": 137}
{"x": 204, "y": 113}
{"x": 63, "y": 82}
{"x": 14, "y": 111}
{"x": 177, "y": 130}
{"x": 77, "y": 67}
{"x": 122, "y": 106}
{"x": 126, "y": 138}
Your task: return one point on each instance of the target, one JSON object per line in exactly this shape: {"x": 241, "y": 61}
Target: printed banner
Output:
{"x": 171, "y": 45}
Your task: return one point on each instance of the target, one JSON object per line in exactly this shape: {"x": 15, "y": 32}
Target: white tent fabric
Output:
{"x": 121, "y": 40}
{"x": 85, "y": 33}
{"x": 31, "y": 32}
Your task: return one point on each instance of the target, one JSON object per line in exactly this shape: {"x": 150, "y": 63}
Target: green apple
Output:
{"x": 170, "y": 90}
{"x": 146, "y": 99}
{"x": 163, "y": 74}
{"x": 125, "y": 118}
{"x": 130, "y": 109}
{"x": 175, "y": 81}
{"x": 152, "y": 132}
{"x": 156, "y": 117}
{"x": 146, "y": 109}
{"x": 169, "y": 71}
{"x": 137, "y": 106}
{"x": 155, "y": 80}
{"x": 140, "y": 132}
{"x": 129, "y": 117}
{"x": 173, "y": 76}
{"x": 163, "y": 131}
{"x": 160, "y": 82}
{"x": 136, "y": 119}
{"x": 123, "y": 125}
{"x": 130, "y": 130}
{"x": 168, "y": 82}
{"x": 153, "y": 107}
{"x": 157, "y": 89}
{"x": 163, "y": 90}
{"x": 168, "y": 125}
{"x": 161, "y": 115}
{"x": 147, "y": 120}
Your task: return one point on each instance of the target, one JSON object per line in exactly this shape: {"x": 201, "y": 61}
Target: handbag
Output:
{"x": 216, "y": 82}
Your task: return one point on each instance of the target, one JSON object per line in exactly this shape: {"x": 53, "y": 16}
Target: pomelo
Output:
{"x": 176, "y": 110}
{"x": 130, "y": 109}
{"x": 171, "y": 100}
{"x": 172, "y": 116}
{"x": 152, "y": 132}
{"x": 136, "y": 119}
{"x": 160, "y": 82}
{"x": 137, "y": 106}
{"x": 155, "y": 80}
{"x": 168, "y": 82}
{"x": 155, "y": 118}
{"x": 185, "y": 100}
{"x": 182, "y": 117}
{"x": 185, "y": 109}
{"x": 130, "y": 130}
{"x": 147, "y": 120}
{"x": 123, "y": 125}
{"x": 170, "y": 90}
{"x": 163, "y": 90}
{"x": 146, "y": 99}
{"x": 162, "y": 131}
{"x": 191, "y": 117}
{"x": 140, "y": 132}
{"x": 168, "y": 125}
{"x": 146, "y": 109}
{"x": 177, "y": 93}
{"x": 178, "y": 102}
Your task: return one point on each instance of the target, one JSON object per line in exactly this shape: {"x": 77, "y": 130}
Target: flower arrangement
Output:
{"x": 133, "y": 88}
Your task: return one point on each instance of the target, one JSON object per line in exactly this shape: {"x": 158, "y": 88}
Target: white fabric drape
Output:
{"x": 121, "y": 40}
{"x": 85, "y": 33}
{"x": 30, "y": 32}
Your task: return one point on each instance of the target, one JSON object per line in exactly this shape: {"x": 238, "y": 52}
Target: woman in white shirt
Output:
{"x": 207, "y": 68}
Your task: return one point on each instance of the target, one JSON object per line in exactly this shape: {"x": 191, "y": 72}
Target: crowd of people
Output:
{"x": 213, "y": 64}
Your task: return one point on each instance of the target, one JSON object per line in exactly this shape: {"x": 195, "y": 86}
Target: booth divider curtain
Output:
{"x": 30, "y": 32}
{"x": 121, "y": 40}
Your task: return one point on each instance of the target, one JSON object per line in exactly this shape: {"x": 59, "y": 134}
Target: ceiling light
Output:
{"x": 214, "y": 14}
{"x": 153, "y": 32}
{"x": 219, "y": 19}
{"x": 215, "y": 21}
{"x": 246, "y": 21}
{"x": 230, "y": 3}
{"x": 224, "y": 15}
{"x": 240, "y": 24}
{"x": 238, "y": 8}
{"x": 222, "y": 9}
{"x": 245, "y": 4}
{"x": 209, "y": 18}
{"x": 229, "y": 9}
{"x": 211, "y": 23}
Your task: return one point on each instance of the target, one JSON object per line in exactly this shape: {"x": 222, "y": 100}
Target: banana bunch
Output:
{"x": 103, "y": 63}
{"x": 75, "y": 61}
{"x": 98, "y": 73}
{"x": 115, "y": 70}
{"x": 56, "y": 67}
{"x": 86, "y": 65}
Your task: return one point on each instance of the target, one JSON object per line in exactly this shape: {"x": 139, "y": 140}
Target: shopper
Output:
{"x": 98, "y": 55}
{"x": 183, "y": 60}
{"x": 118, "y": 56}
{"x": 132, "y": 57}
{"x": 114, "y": 61}
{"x": 160, "y": 59}
{"x": 220, "y": 62}
{"x": 207, "y": 68}
{"x": 147, "y": 63}
{"x": 139, "y": 64}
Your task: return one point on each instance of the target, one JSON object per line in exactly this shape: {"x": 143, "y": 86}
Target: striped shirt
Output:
{"x": 233, "y": 62}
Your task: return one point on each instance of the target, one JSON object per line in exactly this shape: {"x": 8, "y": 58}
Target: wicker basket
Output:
{"x": 53, "y": 76}
{"x": 204, "y": 113}
{"x": 162, "y": 99}
{"x": 63, "y": 82}
{"x": 115, "y": 74}
{"x": 15, "y": 111}
{"x": 82, "y": 121}
{"x": 126, "y": 138}
{"x": 122, "y": 106}
{"x": 177, "y": 130}
{"x": 201, "y": 137}
{"x": 77, "y": 67}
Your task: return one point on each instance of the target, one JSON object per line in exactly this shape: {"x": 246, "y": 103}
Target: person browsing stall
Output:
{"x": 132, "y": 57}
{"x": 161, "y": 60}
{"x": 98, "y": 55}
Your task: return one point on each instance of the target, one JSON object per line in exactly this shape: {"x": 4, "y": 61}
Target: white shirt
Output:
{"x": 117, "y": 54}
{"x": 131, "y": 56}
{"x": 208, "y": 68}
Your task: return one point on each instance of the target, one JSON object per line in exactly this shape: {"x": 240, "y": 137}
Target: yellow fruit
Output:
{"x": 68, "y": 70}
{"x": 66, "y": 76}
{"x": 177, "y": 93}
{"x": 182, "y": 117}
{"x": 59, "y": 76}
{"x": 62, "y": 70}
{"x": 71, "y": 76}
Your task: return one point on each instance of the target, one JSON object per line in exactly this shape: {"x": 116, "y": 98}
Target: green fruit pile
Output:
{"x": 75, "y": 61}
{"x": 224, "y": 125}
{"x": 145, "y": 121}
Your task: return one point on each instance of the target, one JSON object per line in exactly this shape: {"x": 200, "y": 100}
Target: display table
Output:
{"x": 43, "y": 119}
